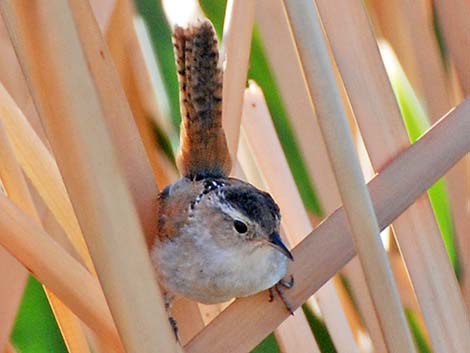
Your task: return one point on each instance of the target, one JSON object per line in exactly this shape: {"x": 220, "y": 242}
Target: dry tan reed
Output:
{"x": 9, "y": 348}
{"x": 13, "y": 184}
{"x": 93, "y": 85}
{"x": 89, "y": 164}
{"x": 235, "y": 55}
{"x": 129, "y": 148}
{"x": 411, "y": 35}
{"x": 294, "y": 334}
{"x": 56, "y": 269}
{"x": 11, "y": 289}
{"x": 329, "y": 247}
{"x": 453, "y": 17}
{"x": 333, "y": 123}
{"x": 282, "y": 55}
{"x": 271, "y": 162}
{"x": 17, "y": 190}
{"x": 41, "y": 169}
{"x": 125, "y": 51}
{"x": 384, "y": 135}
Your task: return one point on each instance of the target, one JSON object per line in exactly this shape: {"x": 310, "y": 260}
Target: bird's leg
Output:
{"x": 174, "y": 326}
{"x": 271, "y": 294}
{"x": 279, "y": 288}
{"x": 168, "y": 299}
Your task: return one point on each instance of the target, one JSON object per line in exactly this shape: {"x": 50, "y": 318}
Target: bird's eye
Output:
{"x": 240, "y": 227}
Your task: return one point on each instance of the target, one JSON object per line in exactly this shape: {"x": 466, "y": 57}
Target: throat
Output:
{"x": 214, "y": 274}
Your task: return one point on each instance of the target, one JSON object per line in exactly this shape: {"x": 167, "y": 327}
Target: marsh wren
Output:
{"x": 218, "y": 237}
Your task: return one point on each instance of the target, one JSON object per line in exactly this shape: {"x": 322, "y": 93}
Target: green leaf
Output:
{"x": 417, "y": 122}
{"x": 418, "y": 336}
{"x": 268, "y": 345}
{"x": 323, "y": 338}
{"x": 35, "y": 329}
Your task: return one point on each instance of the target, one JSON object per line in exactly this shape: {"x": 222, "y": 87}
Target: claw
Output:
{"x": 168, "y": 300}
{"x": 279, "y": 288}
{"x": 174, "y": 326}
{"x": 271, "y": 294}
{"x": 287, "y": 284}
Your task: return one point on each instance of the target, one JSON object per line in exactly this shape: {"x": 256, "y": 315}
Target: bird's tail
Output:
{"x": 204, "y": 149}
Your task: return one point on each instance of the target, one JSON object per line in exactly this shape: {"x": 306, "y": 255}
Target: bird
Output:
{"x": 217, "y": 237}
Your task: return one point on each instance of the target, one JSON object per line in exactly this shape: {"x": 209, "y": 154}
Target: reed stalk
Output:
{"x": 329, "y": 247}
{"x": 262, "y": 138}
{"x": 333, "y": 123}
{"x": 355, "y": 275}
{"x": 56, "y": 269}
{"x": 384, "y": 134}
{"x": 17, "y": 190}
{"x": 97, "y": 107}
{"x": 126, "y": 53}
{"x": 9, "y": 348}
{"x": 282, "y": 54}
{"x": 452, "y": 16}
{"x": 70, "y": 326}
{"x": 14, "y": 275}
{"x": 411, "y": 32}
{"x": 141, "y": 95}
{"x": 41, "y": 168}
{"x": 103, "y": 10}
{"x": 294, "y": 334}
{"x": 12, "y": 286}
{"x": 235, "y": 55}
{"x": 88, "y": 161}
{"x": 118, "y": 116}
{"x": 149, "y": 80}
{"x": 148, "y": 109}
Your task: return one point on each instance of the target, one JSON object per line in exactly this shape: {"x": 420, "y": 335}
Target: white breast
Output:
{"x": 202, "y": 270}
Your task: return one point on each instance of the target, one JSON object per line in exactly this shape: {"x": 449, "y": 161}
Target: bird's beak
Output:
{"x": 276, "y": 242}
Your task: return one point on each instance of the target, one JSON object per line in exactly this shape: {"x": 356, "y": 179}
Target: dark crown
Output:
{"x": 256, "y": 205}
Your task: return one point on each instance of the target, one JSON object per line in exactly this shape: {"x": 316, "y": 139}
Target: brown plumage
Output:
{"x": 204, "y": 149}
{"x": 217, "y": 237}
{"x": 173, "y": 211}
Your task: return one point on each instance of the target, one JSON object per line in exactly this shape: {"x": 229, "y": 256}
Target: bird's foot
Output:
{"x": 279, "y": 288}
{"x": 174, "y": 326}
{"x": 288, "y": 284}
{"x": 168, "y": 301}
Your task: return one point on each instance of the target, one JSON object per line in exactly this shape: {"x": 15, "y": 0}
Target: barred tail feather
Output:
{"x": 204, "y": 149}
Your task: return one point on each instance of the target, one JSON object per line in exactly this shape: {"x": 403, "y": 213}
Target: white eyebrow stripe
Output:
{"x": 232, "y": 212}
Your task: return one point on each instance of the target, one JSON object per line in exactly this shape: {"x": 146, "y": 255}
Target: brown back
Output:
{"x": 204, "y": 149}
